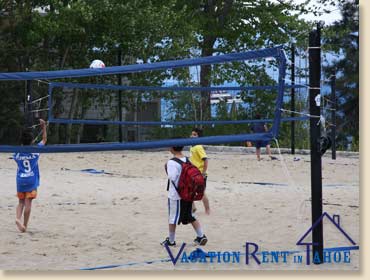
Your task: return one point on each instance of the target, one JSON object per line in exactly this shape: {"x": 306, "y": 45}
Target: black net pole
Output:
{"x": 292, "y": 101}
{"x": 333, "y": 107}
{"x": 28, "y": 113}
{"x": 315, "y": 134}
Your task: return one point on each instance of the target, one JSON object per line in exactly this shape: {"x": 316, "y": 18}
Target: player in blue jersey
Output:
{"x": 28, "y": 177}
{"x": 261, "y": 127}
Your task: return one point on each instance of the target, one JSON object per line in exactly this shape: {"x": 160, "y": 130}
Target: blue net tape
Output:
{"x": 170, "y": 123}
{"x": 171, "y": 64}
{"x": 159, "y": 88}
{"x": 210, "y": 140}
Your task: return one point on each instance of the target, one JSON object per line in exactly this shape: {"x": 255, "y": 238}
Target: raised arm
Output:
{"x": 44, "y": 133}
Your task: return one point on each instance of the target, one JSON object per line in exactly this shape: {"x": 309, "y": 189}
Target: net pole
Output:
{"x": 29, "y": 114}
{"x": 333, "y": 119}
{"x": 315, "y": 134}
{"x": 292, "y": 101}
{"x": 119, "y": 60}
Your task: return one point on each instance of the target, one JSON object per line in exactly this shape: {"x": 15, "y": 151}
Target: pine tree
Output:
{"x": 342, "y": 38}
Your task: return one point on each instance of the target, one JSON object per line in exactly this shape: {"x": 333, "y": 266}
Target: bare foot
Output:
{"x": 20, "y": 226}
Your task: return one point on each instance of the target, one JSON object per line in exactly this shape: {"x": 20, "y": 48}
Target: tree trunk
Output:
{"x": 205, "y": 79}
{"x": 82, "y": 114}
{"x": 80, "y": 133}
{"x": 58, "y": 104}
{"x": 71, "y": 113}
{"x": 212, "y": 11}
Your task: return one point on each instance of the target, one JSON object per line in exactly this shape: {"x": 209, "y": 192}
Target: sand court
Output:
{"x": 84, "y": 219}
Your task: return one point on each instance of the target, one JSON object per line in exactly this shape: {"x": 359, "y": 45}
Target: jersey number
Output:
{"x": 27, "y": 166}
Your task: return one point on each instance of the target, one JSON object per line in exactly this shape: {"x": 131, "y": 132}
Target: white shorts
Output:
{"x": 173, "y": 211}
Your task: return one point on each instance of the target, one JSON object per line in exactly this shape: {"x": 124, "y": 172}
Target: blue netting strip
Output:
{"x": 171, "y": 64}
{"x": 159, "y": 88}
{"x": 156, "y": 123}
{"x": 277, "y": 53}
{"x": 279, "y": 99}
{"x": 210, "y": 140}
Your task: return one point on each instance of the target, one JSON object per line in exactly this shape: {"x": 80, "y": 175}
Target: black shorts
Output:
{"x": 186, "y": 212}
{"x": 260, "y": 144}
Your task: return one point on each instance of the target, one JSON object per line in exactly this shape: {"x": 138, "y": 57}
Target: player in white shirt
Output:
{"x": 179, "y": 211}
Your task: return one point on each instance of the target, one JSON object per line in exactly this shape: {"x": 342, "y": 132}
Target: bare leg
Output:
{"x": 27, "y": 211}
{"x": 19, "y": 213}
{"x": 201, "y": 237}
{"x": 172, "y": 228}
{"x": 196, "y": 225}
{"x": 258, "y": 153}
{"x": 172, "y": 232}
{"x": 206, "y": 204}
{"x": 268, "y": 150}
{"x": 193, "y": 208}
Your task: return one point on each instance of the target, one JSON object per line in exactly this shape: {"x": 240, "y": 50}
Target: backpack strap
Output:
{"x": 179, "y": 161}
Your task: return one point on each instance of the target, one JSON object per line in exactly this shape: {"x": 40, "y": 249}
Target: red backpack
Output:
{"x": 191, "y": 185}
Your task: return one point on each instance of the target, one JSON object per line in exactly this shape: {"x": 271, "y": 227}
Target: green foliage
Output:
{"x": 69, "y": 34}
{"x": 342, "y": 40}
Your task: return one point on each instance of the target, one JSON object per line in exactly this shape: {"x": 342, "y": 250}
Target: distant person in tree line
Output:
{"x": 198, "y": 157}
{"x": 261, "y": 127}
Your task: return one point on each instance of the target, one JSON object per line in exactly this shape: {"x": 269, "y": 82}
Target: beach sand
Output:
{"x": 84, "y": 220}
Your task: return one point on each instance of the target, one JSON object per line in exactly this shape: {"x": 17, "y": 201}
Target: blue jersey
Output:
{"x": 28, "y": 176}
{"x": 258, "y": 127}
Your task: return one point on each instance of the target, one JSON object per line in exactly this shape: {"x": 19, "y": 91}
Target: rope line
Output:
{"x": 300, "y": 113}
{"x": 39, "y": 99}
{"x": 39, "y": 134}
{"x": 45, "y": 82}
{"x": 298, "y": 188}
{"x": 39, "y": 110}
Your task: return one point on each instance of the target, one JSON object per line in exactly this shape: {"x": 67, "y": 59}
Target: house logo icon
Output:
{"x": 335, "y": 220}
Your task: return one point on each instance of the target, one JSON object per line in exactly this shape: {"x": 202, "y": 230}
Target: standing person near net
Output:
{"x": 28, "y": 177}
{"x": 261, "y": 127}
{"x": 198, "y": 157}
{"x": 179, "y": 210}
